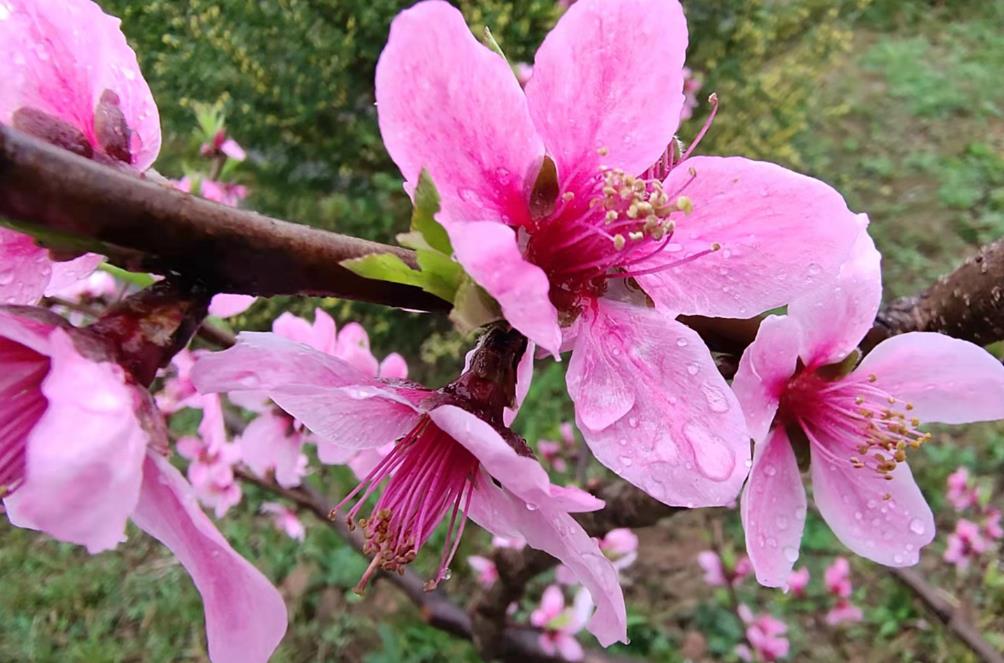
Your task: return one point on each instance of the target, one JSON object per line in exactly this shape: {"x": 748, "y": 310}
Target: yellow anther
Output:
{"x": 619, "y": 241}
{"x": 603, "y": 151}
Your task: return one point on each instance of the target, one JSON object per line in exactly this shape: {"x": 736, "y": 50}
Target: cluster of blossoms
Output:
{"x": 970, "y": 540}
{"x": 719, "y": 574}
{"x": 837, "y": 578}
{"x": 561, "y": 199}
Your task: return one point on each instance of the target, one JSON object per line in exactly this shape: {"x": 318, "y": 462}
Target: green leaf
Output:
{"x": 141, "y": 279}
{"x": 384, "y": 267}
{"x": 423, "y": 218}
{"x": 440, "y": 273}
{"x": 473, "y": 307}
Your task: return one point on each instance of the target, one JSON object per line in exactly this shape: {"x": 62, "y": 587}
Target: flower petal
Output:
{"x": 609, "y": 75}
{"x": 227, "y": 306}
{"x": 834, "y": 318}
{"x": 947, "y": 380}
{"x": 451, "y": 106}
{"x": 85, "y": 454}
{"x": 269, "y": 444}
{"x": 245, "y": 614}
{"x": 25, "y": 268}
{"x": 522, "y": 476}
{"x": 852, "y": 503}
{"x": 490, "y": 254}
{"x": 773, "y": 510}
{"x": 68, "y": 273}
{"x": 524, "y": 376}
{"x": 780, "y": 234}
{"x": 63, "y": 70}
{"x": 764, "y": 370}
{"x": 558, "y": 534}
{"x": 681, "y": 437}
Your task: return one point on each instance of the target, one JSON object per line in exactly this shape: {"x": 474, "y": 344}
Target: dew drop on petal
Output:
{"x": 681, "y": 342}
{"x": 4, "y": 11}
{"x": 693, "y": 369}
{"x": 916, "y": 526}
{"x": 790, "y": 554}
{"x": 714, "y": 458}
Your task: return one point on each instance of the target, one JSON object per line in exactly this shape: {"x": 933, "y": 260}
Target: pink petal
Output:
{"x": 522, "y": 476}
{"x": 85, "y": 454}
{"x": 764, "y": 370}
{"x": 451, "y": 106}
{"x": 610, "y": 75}
{"x": 852, "y": 503}
{"x": 947, "y": 380}
{"x": 25, "y": 268}
{"x": 62, "y": 69}
{"x": 233, "y": 149}
{"x": 245, "y": 614}
{"x": 681, "y": 436}
{"x": 489, "y": 252}
{"x": 393, "y": 367}
{"x": 773, "y": 510}
{"x": 781, "y": 234}
{"x": 353, "y": 346}
{"x": 568, "y": 647}
{"x": 524, "y": 375}
{"x": 558, "y": 534}
{"x": 834, "y": 318}
{"x": 262, "y": 361}
{"x": 227, "y": 306}
{"x": 552, "y": 602}
{"x": 322, "y": 335}
{"x": 269, "y": 444}
{"x": 68, "y": 273}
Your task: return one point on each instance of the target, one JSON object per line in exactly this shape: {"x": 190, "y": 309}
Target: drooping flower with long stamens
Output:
{"x": 452, "y": 457}
{"x": 564, "y": 204}
{"x": 71, "y": 79}
{"x": 804, "y": 398}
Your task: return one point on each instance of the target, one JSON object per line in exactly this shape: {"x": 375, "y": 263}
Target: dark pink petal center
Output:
{"x": 428, "y": 474}
{"x": 21, "y": 406}
{"x": 853, "y": 420}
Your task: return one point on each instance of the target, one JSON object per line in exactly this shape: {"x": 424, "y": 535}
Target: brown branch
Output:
{"x": 948, "y": 614}
{"x": 437, "y": 610}
{"x": 145, "y": 226}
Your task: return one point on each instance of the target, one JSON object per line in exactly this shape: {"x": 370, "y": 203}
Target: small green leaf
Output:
{"x": 384, "y": 267}
{"x": 473, "y": 307}
{"x": 441, "y": 276}
{"x": 423, "y": 218}
{"x": 140, "y": 279}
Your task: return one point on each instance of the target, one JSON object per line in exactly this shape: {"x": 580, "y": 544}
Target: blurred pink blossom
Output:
{"x": 178, "y": 392}
{"x": 560, "y": 623}
{"x": 765, "y": 635}
{"x": 621, "y": 547}
{"x": 798, "y": 581}
{"x": 961, "y": 493}
{"x": 837, "y": 579}
{"x": 965, "y": 544}
{"x": 715, "y": 573}
{"x": 992, "y": 524}
{"x": 485, "y": 569}
{"x": 211, "y": 460}
{"x": 285, "y": 520}
{"x": 272, "y": 444}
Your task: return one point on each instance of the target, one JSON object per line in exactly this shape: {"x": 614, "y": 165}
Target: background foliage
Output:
{"x": 898, "y": 104}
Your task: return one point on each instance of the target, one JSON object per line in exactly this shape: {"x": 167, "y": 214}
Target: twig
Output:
{"x": 948, "y": 614}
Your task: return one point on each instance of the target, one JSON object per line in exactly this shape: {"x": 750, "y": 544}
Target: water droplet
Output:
{"x": 248, "y": 381}
{"x": 693, "y": 369}
{"x": 633, "y": 422}
{"x": 858, "y": 515}
{"x": 502, "y": 174}
{"x": 681, "y": 342}
{"x": 615, "y": 352}
{"x": 129, "y": 74}
{"x": 770, "y": 470}
{"x": 800, "y": 513}
{"x": 469, "y": 195}
{"x": 814, "y": 269}
{"x": 897, "y": 558}
{"x": 626, "y": 461}
{"x": 4, "y": 12}
{"x": 771, "y": 542}
{"x": 916, "y": 526}
{"x": 623, "y": 441}
{"x": 782, "y": 522}
{"x": 531, "y": 507}
{"x": 790, "y": 554}
{"x": 447, "y": 574}
{"x": 714, "y": 458}
{"x": 872, "y": 504}
{"x": 716, "y": 399}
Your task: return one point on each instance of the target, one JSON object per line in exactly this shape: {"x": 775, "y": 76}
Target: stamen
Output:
{"x": 713, "y": 100}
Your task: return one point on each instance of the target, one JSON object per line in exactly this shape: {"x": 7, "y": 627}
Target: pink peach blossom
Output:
{"x": 285, "y": 520}
{"x": 798, "y": 581}
{"x": 965, "y": 544}
{"x": 837, "y": 578}
{"x": 858, "y": 424}
{"x": 560, "y": 623}
{"x": 765, "y": 635}
{"x": 621, "y": 547}
{"x": 81, "y": 90}
{"x": 178, "y": 392}
{"x": 561, "y": 252}
{"x": 716, "y": 574}
{"x": 961, "y": 494}
{"x": 843, "y": 612}
{"x": 227, "y": 306}
{"x": 552, "y": 452}
{"x": 99, "y": 285}
{"x": 77, "y": 463}
{"x": 484, "y": 567}
{"x": 211, "y": 460}
{"x": 445, "y": 461}
{"x": 992, "y": 524}
{"x": 272, "y": 444}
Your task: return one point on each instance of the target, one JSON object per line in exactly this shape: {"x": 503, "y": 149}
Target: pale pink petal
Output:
{"x": 610, "y": 75}
{"x": 269, "y": 444}
{"x": 524, "y": 376}
{"x": 353, "y": 346}
{"x": 780, "y": 235}
{"x": 568, "y": 647}
{"x": 233, "y": 150}
{"x": 522, "y": 476}
{"x": 25, "y": 268}
{"x": 66, "y": 274}
{"x": 245, "y": 614}
{"x": 295, "y": 329}
{"x": 680, "y": 435}
{"x": 490, "y": 254}
{"x": 558, "y": 534}
{"x": 764, "y": 370}
{"x": 393, "y": 367}
{"x": 262, "y": 361}
{"x": 773, "y": 510}
{"x": 852, "y": 502}
{"x": 85, "y": 454}
{"x": 947, "y": 380}
{"x": 227, "y": 306}
{"x": 58, "y": 67}
{"x": 834, "y": 318}
{"x": 552, "y": 602}
{"x": 451, "y": 106}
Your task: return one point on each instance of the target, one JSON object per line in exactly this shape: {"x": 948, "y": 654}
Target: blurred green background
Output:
{"x": 898, "y": 104}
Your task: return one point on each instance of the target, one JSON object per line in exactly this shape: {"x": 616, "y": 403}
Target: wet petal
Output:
{"x": 764, "y": 370}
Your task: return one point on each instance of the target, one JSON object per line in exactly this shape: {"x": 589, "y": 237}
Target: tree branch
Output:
{"x": 145, "y": 226}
